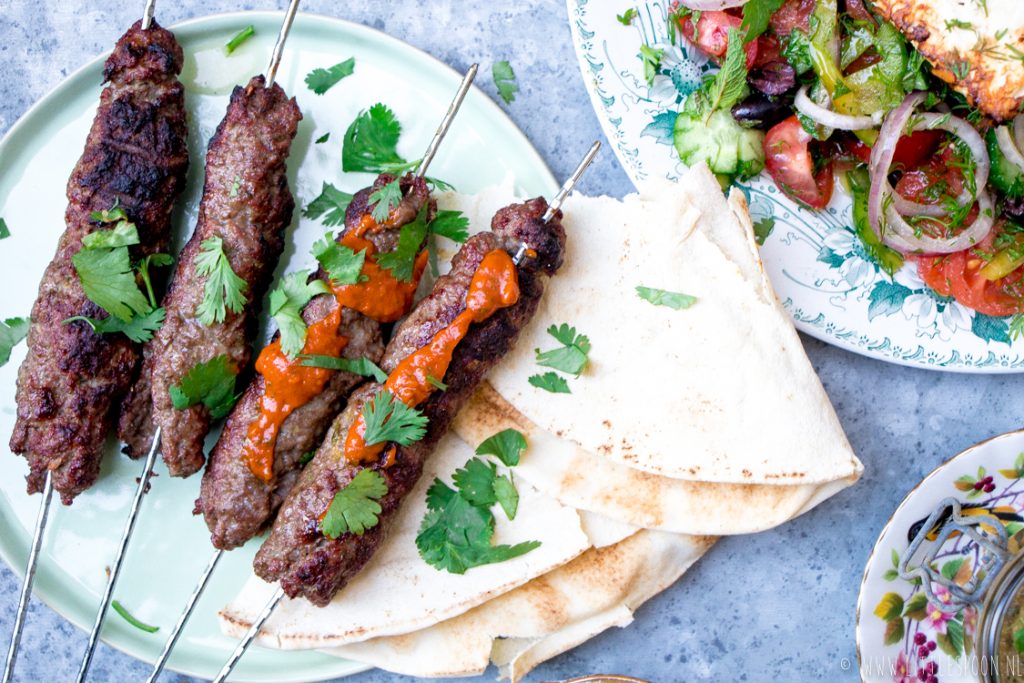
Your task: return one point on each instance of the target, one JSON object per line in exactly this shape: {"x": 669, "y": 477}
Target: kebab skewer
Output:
{"x": 454, "y": 337}
{"x": 74, "y": 376}
{"x": 239, "y": 236}
{"x": 258, "y": 457}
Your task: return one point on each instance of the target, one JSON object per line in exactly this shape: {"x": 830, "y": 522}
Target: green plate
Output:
{"x": 170, "y": 546}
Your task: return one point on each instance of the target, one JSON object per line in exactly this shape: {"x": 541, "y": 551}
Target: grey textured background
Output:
{"x": 774, "y": 606}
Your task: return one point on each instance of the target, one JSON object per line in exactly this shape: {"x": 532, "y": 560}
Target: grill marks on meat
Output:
{"x": 236, "y": 503}
{"x": 307, "y": 563}
{"x": 73, "y": 379}
{"x": 247, "y": 203}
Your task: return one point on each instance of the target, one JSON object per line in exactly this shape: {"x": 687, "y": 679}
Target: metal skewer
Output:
{"x": 30, "y": 574}
{"x": 204, "y": 579}
{"x": 278, "y": 596}
{"x": 147, "y": 14}
{"x": 275, "y": 56}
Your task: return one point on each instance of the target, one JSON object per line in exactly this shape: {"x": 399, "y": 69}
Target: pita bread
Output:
{"x": 543, "y": 618}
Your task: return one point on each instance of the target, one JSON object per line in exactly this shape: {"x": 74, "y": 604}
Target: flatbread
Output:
{"x": 545, "y": 617}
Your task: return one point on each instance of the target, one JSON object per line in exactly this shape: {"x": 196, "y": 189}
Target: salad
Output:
{"x": 820, "y": 92}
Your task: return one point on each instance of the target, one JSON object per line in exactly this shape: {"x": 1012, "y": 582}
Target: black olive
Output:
{"x": 760, "y": 111}
{"x": 1014, "y": 208}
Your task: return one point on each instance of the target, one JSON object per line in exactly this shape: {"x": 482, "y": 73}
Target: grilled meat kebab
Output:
{"x": 288, "y": 407}
{"x": 247, "y": 204}
{"x": 472, "y": 317}
{"x": 73, "y": 379}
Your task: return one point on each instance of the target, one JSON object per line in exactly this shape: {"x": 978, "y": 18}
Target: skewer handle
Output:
{"x": 147, "y": 14}
{"x": 446, "y": 122}
{"x": 254, "y": 631}
{"x": 275, "y": 56}
{"x": 570, "y": 183}
{"x": 183, "y": 619}
{"x": 30, "y": 574}
{"x": 115, "y": 570}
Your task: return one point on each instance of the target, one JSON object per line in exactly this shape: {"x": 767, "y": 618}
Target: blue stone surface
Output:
{"x": 776, "y": 606}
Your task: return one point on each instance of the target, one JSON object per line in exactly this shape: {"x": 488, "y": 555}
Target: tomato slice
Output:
{"x": 711, "y": 34}
{"x": 790, "y": 163}
{"x": 793, "y": 15}
{"x": 932, "y": 270}
{"x": 911, "y": 150}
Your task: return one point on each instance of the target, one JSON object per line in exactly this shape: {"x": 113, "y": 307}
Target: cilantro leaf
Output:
{"x": 5, "y": 232}
{"x": 112, "y": 215}
{"x": 139, "y": 329}
{"x": 371, "y": 142}
{"x": 385, "y": 199}
{"x": 651, "y": 59}
{"x": 572, "y": 357}
{"x": 549, "y": 381}
{"x": 12, "y": 331}
{"x": 357, "y": 366}
{"x": 331, "y": 202}
{"x": 505, "y": 81}
{"x": 626, "y": 18}
{"x": 756, "y": 14}
{"x": 124, "y": 234}
{"x": 323, "y": 138}
{"x": 763, "y": 228}
{"x": 354, "y": 508}
{"x": 401, "y": 262}
{"x": 475, "y": 482}
{"x": 661, "y": 297}
{"x": 506, "y": 446}
{"x": 729, "y": 85}
{"x": 286, "y": 301}
{"x": 451, "y": 224}
{"x": 322, "y": 80}
{"x": 307, "y": 458}
{"x": 211, "y": 383}
{"x": 343, "y": 265}
{"x": 507, "y": 495}
{"x": 440, "y": 185}
{"x": 224, "y": 291}
{"x": 388, "y": 420}
{"x": 108, "y": 281}
{"x": 239, "y": 38}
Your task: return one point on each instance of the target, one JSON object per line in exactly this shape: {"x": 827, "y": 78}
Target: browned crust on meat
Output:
{"x": 296, "y": 553}
{"x": 237, "y": 504}
{"x": 247, "y": 203}
{"x": 73, "y": 378}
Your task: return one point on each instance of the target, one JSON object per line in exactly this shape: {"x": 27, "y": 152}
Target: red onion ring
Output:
{"x": 903, "y": 236}
{"x": 1009, "y": 147}
{"x": 831, "y": 119}
{"x": 712, "y": 5}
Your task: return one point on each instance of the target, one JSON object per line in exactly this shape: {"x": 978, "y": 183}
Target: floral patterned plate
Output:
{"x": 823, "y": 277}
{"x": 901, "y": 637}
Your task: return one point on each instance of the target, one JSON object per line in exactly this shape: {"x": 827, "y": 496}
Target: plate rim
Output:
{"x": 492, "y": 110}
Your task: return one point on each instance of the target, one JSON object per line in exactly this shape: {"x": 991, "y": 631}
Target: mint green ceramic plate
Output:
{"x": 171, "y": 546}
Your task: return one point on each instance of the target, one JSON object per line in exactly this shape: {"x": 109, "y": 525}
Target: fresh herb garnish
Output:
{"x": 119, "y": 608}
{"x": 762, "y": 229}
{"x": 306, "y": 458}
{"x": 5, "y": 232}
{"x": 728, "y": 86}
{"x": 323, "y": 138}
{"x": 354, "y": 508}
{"x": 388, "y": 420}
{"x": 475, "y": 482}
{"x": 224, "y": 291}
{"x": 236, "y": 185}
{"x": 661, "y": 297}
{"x": 451, "y": 224}
{"x": 505, "y": 81}
{"x": 211, "y": 383}
{"x": 756, "y": 14}
{"x": 436, "y": 383}
{"x": 322, "y": 80}
{"x": 506, "y": 446}
{"x": 401, "y": 262}
{"x": 627, "y": 17}
{"x": 357, "y": 366}
{"x": 507, "y": 495}
{"x": 651, "y": 59}
{"x": 371, "y": 143}
{"x": 384, "y": 199}
{"x": 139, "y": 329}
{"x": 571, "y": 358}
{"x": 240, "y": 37}
{"x": 550, "y": 381}
{"x": 331, "y": 204}
{"x": 12, "y": 331}
{"x": 286, "y": 301}
{"x": 343, "y": 265}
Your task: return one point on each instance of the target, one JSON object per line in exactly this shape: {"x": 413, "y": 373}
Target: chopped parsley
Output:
{"x": 506, "y": 446}
{"x": 323, "y": 138}
{"x": 661, "y": 297}
{"x": 224, "y": 291}
{"x": 354, "y": 508}
{"x": 371, "y": 143}
{"x": 286, "y": 301}
{"x": 357, "y": 366}
{"x": 627, "y": 17}
{"x": 331, "y": 204}
{"x": 322, "y": 80}
{"x": 343, "y": 265}
{"x": 240, "y": 37}
{"x": 5, "y": 232}
{"x": 12, "y": 331}
{"x": 388, "y": 420}
{"x": 211, "y": 383}
{"x": 119, "y": 608}
{"x": 571, "y": 358}
{"x": 551, "y": 382}
{"x": 505, "y": 81}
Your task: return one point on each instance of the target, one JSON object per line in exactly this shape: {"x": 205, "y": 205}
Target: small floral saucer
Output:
{"x": 901, "y": 636}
